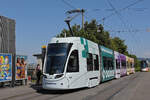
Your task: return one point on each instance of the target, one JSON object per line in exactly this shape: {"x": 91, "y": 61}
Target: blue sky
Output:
{"x": 37, "y": 21}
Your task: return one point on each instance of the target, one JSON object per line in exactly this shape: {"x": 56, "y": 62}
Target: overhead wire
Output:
{"x": 73, "y": 7}
{"x": 68, "y": 4}
{"x": 122, "y": 9}
{"x": 131, "y": 36}
{"x": 117, "y": 13}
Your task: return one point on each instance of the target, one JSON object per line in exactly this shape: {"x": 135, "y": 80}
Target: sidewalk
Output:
{"x": 8, "y": 93}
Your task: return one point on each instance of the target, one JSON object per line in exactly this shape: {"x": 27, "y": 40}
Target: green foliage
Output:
{"x": 96, "y": 33}
{"x": 91, "y": 31}
{"x": 118, "y": 45}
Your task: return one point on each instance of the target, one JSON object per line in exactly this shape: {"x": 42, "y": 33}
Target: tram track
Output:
{"x": 125, "y": 85}
{"x": 113, "y": 89}
{"x": 118, "y": 91}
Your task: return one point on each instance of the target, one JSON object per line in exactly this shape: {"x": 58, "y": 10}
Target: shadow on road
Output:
{"x": 39, "y": 89}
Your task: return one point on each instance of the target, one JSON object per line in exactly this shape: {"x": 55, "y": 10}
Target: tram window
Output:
{"x": 128, "y": 65}
{"x": 131, "y": 64}
{"x": 105, "y": 63}
{"x": 108, "y": 63}
{"x": 89, "y": 62}
{"x": 112, "y": 64}
{"x": 123, "y": 63}
{"x": 73, "y": 63}
{"x": 117, "y": 64}
{"x": 96, "y": 62}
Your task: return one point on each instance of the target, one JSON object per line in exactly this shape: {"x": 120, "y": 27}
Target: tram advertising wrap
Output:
{"x": 5, "y": 67}
{"x": 21, "y": 68}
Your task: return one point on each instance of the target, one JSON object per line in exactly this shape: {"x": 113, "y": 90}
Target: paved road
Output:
{"x": 133, "y": 87}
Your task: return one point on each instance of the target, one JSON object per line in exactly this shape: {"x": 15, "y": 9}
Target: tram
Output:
{"x": 71, "y": 63}
{"x": 75, "y": 62}
{"x": 145, "y": 66}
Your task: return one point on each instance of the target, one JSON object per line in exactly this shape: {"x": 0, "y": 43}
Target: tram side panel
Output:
{"x": 132, "y": 66}
{"x": 107, "y": 64}
{"x": 117, "y": 64}
{"x": 123, "y": 69}
{"x": 128, "y": 65}
{"x": 92, "y": 62}
{"x": 89, "y": 74}
{"x": 76, "y": 78}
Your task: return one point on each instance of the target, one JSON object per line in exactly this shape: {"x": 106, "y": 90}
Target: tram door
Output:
{"x": 117, "y": 68}
{"x": 72, "y": 72}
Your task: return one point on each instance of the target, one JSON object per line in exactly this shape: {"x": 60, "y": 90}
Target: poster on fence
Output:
{"x": 21, "y": 67}
{"x": 5, "y": 67}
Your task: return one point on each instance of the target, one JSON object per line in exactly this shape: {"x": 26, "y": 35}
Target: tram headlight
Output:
{"x": 58, "y": 76}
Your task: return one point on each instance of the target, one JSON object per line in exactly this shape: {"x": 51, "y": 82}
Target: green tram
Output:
{"x": 107, "y": 64}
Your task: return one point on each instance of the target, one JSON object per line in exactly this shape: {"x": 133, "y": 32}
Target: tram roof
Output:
{"x": 68, "y": 40}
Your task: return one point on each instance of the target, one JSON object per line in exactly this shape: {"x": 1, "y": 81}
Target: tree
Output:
{"x": 90, "y": 32}
{"x": 118, "y": 45}
{"x": 96, "y": 33}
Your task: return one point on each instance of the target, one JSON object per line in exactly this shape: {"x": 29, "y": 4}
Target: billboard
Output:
{"x": 5, "y": 67}
{"x": 21, "y": 67}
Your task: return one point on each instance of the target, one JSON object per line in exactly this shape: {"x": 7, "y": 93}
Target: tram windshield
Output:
{"x": 56, "y": 57}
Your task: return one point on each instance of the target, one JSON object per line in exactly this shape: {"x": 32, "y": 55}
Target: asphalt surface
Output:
{"x": 133, "y": 87}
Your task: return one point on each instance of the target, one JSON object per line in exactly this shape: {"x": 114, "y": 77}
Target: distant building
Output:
{"x": 7, "y": 35}
{"x": 8, "y": 41}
